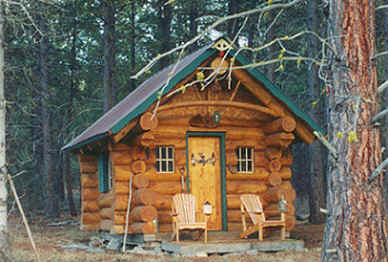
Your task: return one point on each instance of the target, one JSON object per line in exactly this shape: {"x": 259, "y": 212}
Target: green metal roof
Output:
{"x": 146, "y": 94}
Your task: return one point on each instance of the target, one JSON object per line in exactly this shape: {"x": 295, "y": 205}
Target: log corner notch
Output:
{"x": 146, "y": 122}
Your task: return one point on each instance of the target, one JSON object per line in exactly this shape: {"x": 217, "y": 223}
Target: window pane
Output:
{"x": 157, "y": 165}
{"x": 170, "y": 166}
{"x": 157, "y": 152}
{"x": 238, "y": 166}
{"x": 170, "y": 155}
{"x": 243, "y": 169}
{"x": 249, "y": 153}
{"x": 164, "y": 166}
{"x": 163, "y": 152}
{"x": 249, "y": 166}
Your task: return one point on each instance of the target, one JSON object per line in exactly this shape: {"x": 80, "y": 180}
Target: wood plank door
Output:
{"x": 205, "y": 177}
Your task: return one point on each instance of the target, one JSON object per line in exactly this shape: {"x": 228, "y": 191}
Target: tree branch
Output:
{"x": 380, "y": 115}
{"x": 382, "y": 87}
{"x": 378, "y": 170}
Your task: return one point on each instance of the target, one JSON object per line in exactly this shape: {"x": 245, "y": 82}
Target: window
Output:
{"x": 244, "y": 159}
{"x": 104, "y": 172}
{"x": 164, "y": 159}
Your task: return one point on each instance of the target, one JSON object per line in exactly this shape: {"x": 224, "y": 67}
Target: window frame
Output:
{"x": 167, "y": 159}
{"x": 241, "y": 161}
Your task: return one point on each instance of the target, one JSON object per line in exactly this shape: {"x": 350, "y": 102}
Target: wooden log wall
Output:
{"x": 90, "y": 218}
{"x": 272, "y": 172}
{"x": 152, "y": 192}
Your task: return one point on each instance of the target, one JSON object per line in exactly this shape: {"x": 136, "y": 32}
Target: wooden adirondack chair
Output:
{"x": 251, "y": 204}
{"x": 183, "y": 214}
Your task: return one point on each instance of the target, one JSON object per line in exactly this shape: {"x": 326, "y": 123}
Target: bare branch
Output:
{"x": 382, "y": 87}
{"x": 326, "y": 144}
{"x": 379, "y": 54}
{"x": 380, "y": 115}
{"x": 381, "y": 7}
{"x": 378, "y": 170}
{"x": 209, "y": 28}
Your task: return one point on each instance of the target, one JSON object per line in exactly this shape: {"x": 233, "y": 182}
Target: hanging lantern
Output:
{"x": 207, "y": 208}
{"x": 216, "y": 117}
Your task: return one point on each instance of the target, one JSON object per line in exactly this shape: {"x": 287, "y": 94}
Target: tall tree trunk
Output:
{"x": 49, "y": 178}
{"x": 4, "y": 242}
{"x": 355, "y": 227}
{"x": 233, "y": 6}
{"x": 73, "y": 82}
{"x": 109, "y": 53}
{"x": 165, "y": 17}
{"x": 385, "y": 102}
{"x": 193, "y": 28}
{"x": 316, "y": 175}
{"x": 133, "y": 43}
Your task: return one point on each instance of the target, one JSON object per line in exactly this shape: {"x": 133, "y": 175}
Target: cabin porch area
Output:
{"x": 219, "y": 243}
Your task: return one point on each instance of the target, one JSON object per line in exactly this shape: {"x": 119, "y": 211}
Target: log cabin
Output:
{"x": 205, "y": 125}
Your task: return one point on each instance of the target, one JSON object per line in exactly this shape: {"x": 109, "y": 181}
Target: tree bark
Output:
{"x": 109, "y": 53}
{"x": 5, "y": 253}
{"x": 165, "y": 17}
{"x": 355, "y": 227}
{"x": 385, "y": 102}
{"x": 316, "y": 176}
{"x": 49, "y": 178}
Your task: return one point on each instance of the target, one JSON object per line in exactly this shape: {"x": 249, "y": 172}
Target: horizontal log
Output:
{"x": 274, "y": 194}
{"x": 119, "y": 147}
{"x": 90, "y": 218}
{"x": 274, "y": 165}
{"x": 286, "y": 124}
{"x": 247, "y": 142}
{"x": 87, "y": 158}
{"x": 138, "y": 153}
{"x": 90, "y": 227}
{"x": 90, "y": 194}
{"x": 122, "y": 172}
{"x": 148, "y": 121}
{"x": 259, "y": 173}
{"x": 237, "y": 226}
{"x": 272, "y": 210}
{"x": 165, "y": 228}
{"x": 244, "y": 133}
{"x": 169, "y": 187}
{"x": 89, "y": 180}
{"x": 286, "y": 185}
{"x": 121, "y": 202}
{"x": 121, "y": 158}
{"x": 122, "y": 187}
{"x": 287, "y": 159}
{"x": 274, "y": 179}
{"x": 304, "y": 132}
{"x": 90, "y": 206}
{"x": 138, "y": 166}
{"x": 118, "y": 229}
{"x": 272, "y": 153}
{"x": 164, "y": 216}
{"x": 234, "y": 215}
{"x": 285, "y": 173}
{"x": 279, "y": 139}
{"x": 119, "y": 218}
{"x": 149, "y": 197}
{"x": 88, "y": 167}
{"x": 106, "y": 213}
{"x": 245, "y": 187}
{"x": 106, "y": 225}
{"x": 141, "y": 181}
{"x": 146, "y": 139}
{"x": 142, "y": 228}
{"x": 105, "y": 200}
{"x": 143, "y": 214}
{"x": 233, "y": 201}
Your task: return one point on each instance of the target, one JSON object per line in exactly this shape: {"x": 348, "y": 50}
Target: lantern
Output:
{"x": 207, "y": 208}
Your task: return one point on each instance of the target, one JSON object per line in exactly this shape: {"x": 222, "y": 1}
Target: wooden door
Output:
{"x": 205, "y": 177}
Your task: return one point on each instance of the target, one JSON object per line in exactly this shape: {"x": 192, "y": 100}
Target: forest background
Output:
{"x": 69, "y": 61}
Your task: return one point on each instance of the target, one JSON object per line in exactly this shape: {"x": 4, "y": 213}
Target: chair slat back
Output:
{"x": 185, "y": 208}
{"x": 253, "y": 206}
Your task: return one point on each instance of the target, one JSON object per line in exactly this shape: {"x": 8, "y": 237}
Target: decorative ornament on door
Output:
{"x": 202, "y": 159}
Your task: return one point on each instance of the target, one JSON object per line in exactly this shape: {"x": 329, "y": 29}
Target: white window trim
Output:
{"x": 167, "y": 160}
{"x": 245, "y": 161}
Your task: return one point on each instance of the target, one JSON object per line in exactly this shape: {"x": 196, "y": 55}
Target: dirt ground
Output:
{"x": 49, "y": 240}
